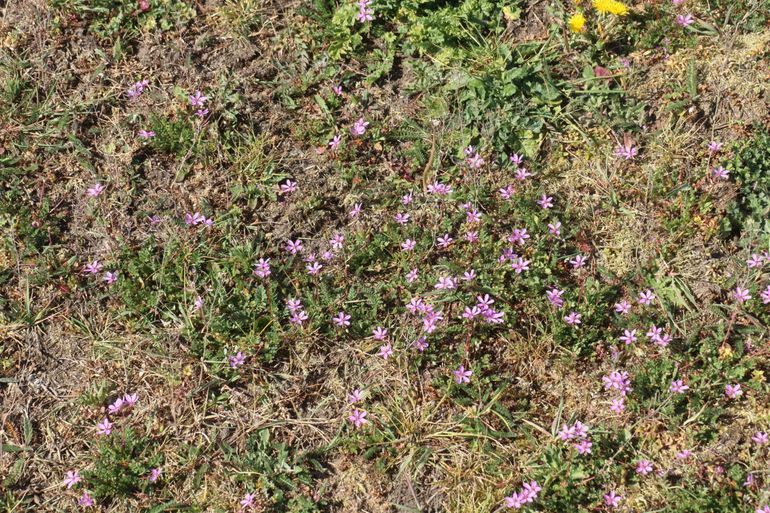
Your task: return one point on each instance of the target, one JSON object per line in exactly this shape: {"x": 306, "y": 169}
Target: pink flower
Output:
{"x": 444, "y": 241}
{"x": 617, "y": 380}
{"x": 759, "y": 438}
{"x": 355, "y": 396}
{"x": 446, "y": 283}
{"x": 248, "y": 500}
{"x": 516, "y": 159}
{"x": 555, "y": 228}
{"x": 626, "y": 151}
{"x": 335, "y": 142}
{"x": 643, "y": 467}
{"x": 110, "y": 277}
{"x": 583, "y": 447}
{"x": 573, "y": 319}
{"x": 294, "y": 247}
{"x": 461, "y": 375}
{"x": 197, "y": 99}
{"x": 763, "y": 509}
{"x": 96, "y": 190}
{"x": 719, "y": 172}
{"x": 646, "y": 297}
{"x": 521, "y": 174}
{"x": 337, "y": 90}
{"x": 73, "y": 478}
{"x": 386, "y": 351}
{"x": 685, "y": 19}
{"x": 93, "y": 268}
{"x": 411, "y": 276}
{"x": 356, "y": 210}
{"x": 545, "y": 202}
{"x": 507, "y": 192}
{"x": 420, "y": 344}
{"x": 288, "y": 187}
{"x": 85, "y": 500}
{"x": 314, "y": 269}
{"x": 618, "y": 405}
{"x": 136, "y": 90}
{"x": 765, "y": 295}
{"x": 714, "y": 146}
{"x": 684, "y": 454}
{"x": 359, "y": 127}
{"x": 155, "y": 475}
{"x": 236, "y": 360}
{"x": 401, "y": 218}
{"x": 678, "y": 387}
{"x": 379, "y": 333}
{"x": 358, "y": 417}
{"x": 116, "y": 406}
{"x": 262, "y": 268}
{"x": 629, "y": 336}
{"x": 741, "y": 295}
{"x": 520, "y": 265}
{"x": 755, "y": 261}
{"x": 578, "y": 262}
{"x": 104, "y": 427}
{"x": 554, "y": 297}
{"x": 341, "y": 320}
{"x": 146, "y": 134}
{"x": 623, "y": 307}
{"x": 733, "y": 391}
{"x": 612, "y": 499}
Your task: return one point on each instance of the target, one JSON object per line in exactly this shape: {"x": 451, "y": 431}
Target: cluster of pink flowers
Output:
{"x": 125, "y": 402}
{"x": 196, "y": 218}
{"x": 365, "y": 13}
{"x": 357, "y": 416}
{"x": 577, "y": 435}
{"x": 526, "y": 495}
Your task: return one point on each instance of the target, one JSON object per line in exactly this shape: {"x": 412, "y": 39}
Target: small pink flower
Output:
{"x": 618, "y": 405}
{"x": 73, "y": 478}
{"x": 386, "y": 351}
{"x": 612, "y": 499}
{"x": 643, "y": 467}
{"x": 358, "y": 417}
{"x": 342, "y": 320}
{"x": 236, "y": 360}
{"x": 420, "y": 344}
{"x": 359, "y": 127}
{"x": 85, "y": 500}
{"x": 355, "y": 396}
{"x": 110, "y": 277}
{"x": 379, "y": 333}
{"x": 155, "y": 475}
{"x": 623, "y": 307}
{"x": 759, "y": 438}
{"x": 146, "y": 134}
{"x": 96, "y": 190}
{"x": 356, "y": 210}
{"x": 545, "y": 202}
{"x": 646, "y": 297}
{"x": 104, "y": 427}
{"x": 685, "y": 19}
{"x": 714, "y": 146}
{"x": 573, "y": 319}
{"x": 733, "y": 391}
{"x": 678, "y": 387}
{"x": 462, "y": 375}
{"x": 741, "y": 295}
{"x": 335, "y": 142}
{"x": 721, "y": 173}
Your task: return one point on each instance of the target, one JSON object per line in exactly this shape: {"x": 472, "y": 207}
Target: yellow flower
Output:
{"x": 577, "y": 22}
{"x": 611, "y": 6}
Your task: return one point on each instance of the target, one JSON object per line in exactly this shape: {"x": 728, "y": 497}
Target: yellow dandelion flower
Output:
{"x": 577, "y": 22}
{"x": 611, "y": 7}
